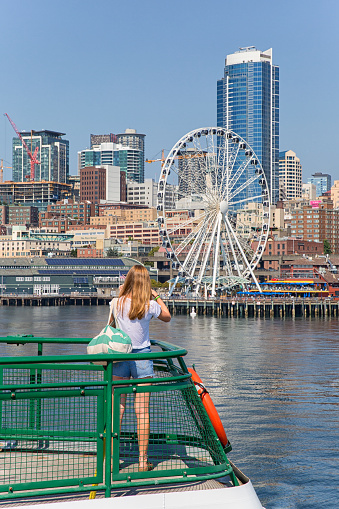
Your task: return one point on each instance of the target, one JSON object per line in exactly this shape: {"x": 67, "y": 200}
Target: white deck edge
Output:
{"x": 239, "y": 497}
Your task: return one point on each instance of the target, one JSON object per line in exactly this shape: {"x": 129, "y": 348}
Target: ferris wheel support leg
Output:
{"x": 243, "y": 255}
{"x": 232, "y": 248}
{"x": 173, "y": 286}
{"x": 216, "y": 255}
{"x": 207, "y": 254}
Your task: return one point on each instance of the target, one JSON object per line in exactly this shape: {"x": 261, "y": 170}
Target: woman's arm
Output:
{"x": 165, "y": 315}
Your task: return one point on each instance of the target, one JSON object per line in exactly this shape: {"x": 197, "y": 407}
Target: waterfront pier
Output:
{"x": 260, "y": 308}
{"x": 230, "y": 308}
{"x": 55, "y": 300}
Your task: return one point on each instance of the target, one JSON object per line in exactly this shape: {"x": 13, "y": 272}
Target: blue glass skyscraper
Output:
{"x": 322, "y": 182}
{"x": 248, "y": 103}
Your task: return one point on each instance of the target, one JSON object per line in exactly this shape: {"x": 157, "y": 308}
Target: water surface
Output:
{"x": 274, "y": 382}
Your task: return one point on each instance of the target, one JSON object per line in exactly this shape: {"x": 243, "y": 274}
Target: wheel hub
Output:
{"x": 223, "y": 207}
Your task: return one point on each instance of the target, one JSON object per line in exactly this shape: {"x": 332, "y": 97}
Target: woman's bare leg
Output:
{"x": 141, "y": 406}
{"x": 122, "y": 404}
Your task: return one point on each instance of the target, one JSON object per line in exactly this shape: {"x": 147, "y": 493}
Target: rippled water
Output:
{"x": 275, "y": 384}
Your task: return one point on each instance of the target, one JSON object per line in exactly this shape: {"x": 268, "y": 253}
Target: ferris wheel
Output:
{"x": 218, "y": 232}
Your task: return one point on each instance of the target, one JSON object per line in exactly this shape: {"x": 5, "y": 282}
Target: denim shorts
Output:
{"x": 135, "y": 369}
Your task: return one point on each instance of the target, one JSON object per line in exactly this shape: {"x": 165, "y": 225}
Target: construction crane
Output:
{"x": 2, "y": 171}
{"x": 185, "y": 156}
{"x": 156, "y": 160}
{"x": 33, "y": 157}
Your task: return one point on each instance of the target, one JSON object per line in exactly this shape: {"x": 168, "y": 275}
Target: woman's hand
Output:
{"x": 165, "y": 315}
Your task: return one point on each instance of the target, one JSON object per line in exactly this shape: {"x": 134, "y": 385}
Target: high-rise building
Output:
{"x": 53, "y": 154}
{"x": 317, "y": 223}
{"x": 97, "y": 139}
{"x": 322, "y": 182}
{"x": 92, "y": 184}
{"x": 102, "y": 183}
{"x": 126, "y": 150}
{"x": 248, "y": 103}
{"x": 38, "y": 194}
{"x": 134, "y": 145}
{"x": 192, "y": 165}
{"x": 146, "y": 194}
{"x": 309, "y": 191}
{"x": 290, "y": 175}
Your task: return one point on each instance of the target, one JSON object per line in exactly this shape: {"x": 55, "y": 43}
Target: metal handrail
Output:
{"x": 168, "y": 351}
{"x": 32, "y": 394}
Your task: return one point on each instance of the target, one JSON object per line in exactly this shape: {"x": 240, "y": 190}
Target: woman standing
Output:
{"x": 137, "y": 305}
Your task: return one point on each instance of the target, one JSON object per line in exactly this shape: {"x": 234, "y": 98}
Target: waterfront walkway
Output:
{"x": 228, "y": 307}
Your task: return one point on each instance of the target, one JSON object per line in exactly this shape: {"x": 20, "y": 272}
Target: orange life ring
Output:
{"x": 209, "y": 407}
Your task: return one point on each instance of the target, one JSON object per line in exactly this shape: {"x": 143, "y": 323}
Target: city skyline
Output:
{"x": 161, "y": 81}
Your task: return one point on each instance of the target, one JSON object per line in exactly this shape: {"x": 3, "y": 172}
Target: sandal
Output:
{"x": 147, "y": 467}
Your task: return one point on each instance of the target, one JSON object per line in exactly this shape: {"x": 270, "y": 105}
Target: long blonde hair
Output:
{"x": 137, "y": 286}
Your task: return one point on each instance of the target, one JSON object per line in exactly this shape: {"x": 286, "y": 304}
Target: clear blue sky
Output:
{"x": 82, "y": 67}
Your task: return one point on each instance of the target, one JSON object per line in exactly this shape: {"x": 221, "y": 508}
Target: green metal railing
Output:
{"x": 60, "y": 426}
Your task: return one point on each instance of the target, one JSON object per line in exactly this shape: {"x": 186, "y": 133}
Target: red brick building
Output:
{"x": 102, "y": 207}
{"x": 92, "y": 184}
{"x": 123, "y": 186}
{"x": 87, "y": 227}
{"x": 89, "y": 252}
{"x": 288, "y": 246}
{"x": 58, "y": 224}
{"x": 68, "y": 211}
{"x": 23, "y": 215}
{"x": 317, "y": 224}
{"x": 3, "y": 214}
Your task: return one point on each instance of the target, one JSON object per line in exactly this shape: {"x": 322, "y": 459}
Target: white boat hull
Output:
{"x": 239, "y": 497}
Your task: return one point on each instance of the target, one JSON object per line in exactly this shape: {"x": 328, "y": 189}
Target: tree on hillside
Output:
{"x": 112, "y": 253}
{"x": 155, "y": 284}
{"x": 327, "y": 247}
{"x": 154, "y": 250}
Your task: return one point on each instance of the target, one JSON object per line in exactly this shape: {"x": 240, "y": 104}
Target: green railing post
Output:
{"x": 1, "y": 402}
{"x": 108, "y": 449}
{"x": 32, "y": 403}
{"x": 116, "y": 430}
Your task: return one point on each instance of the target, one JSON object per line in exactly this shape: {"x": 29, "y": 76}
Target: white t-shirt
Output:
{"x": 138, "y": 330}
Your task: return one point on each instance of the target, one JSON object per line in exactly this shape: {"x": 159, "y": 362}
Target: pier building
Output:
{"x": 64, "y": 276}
